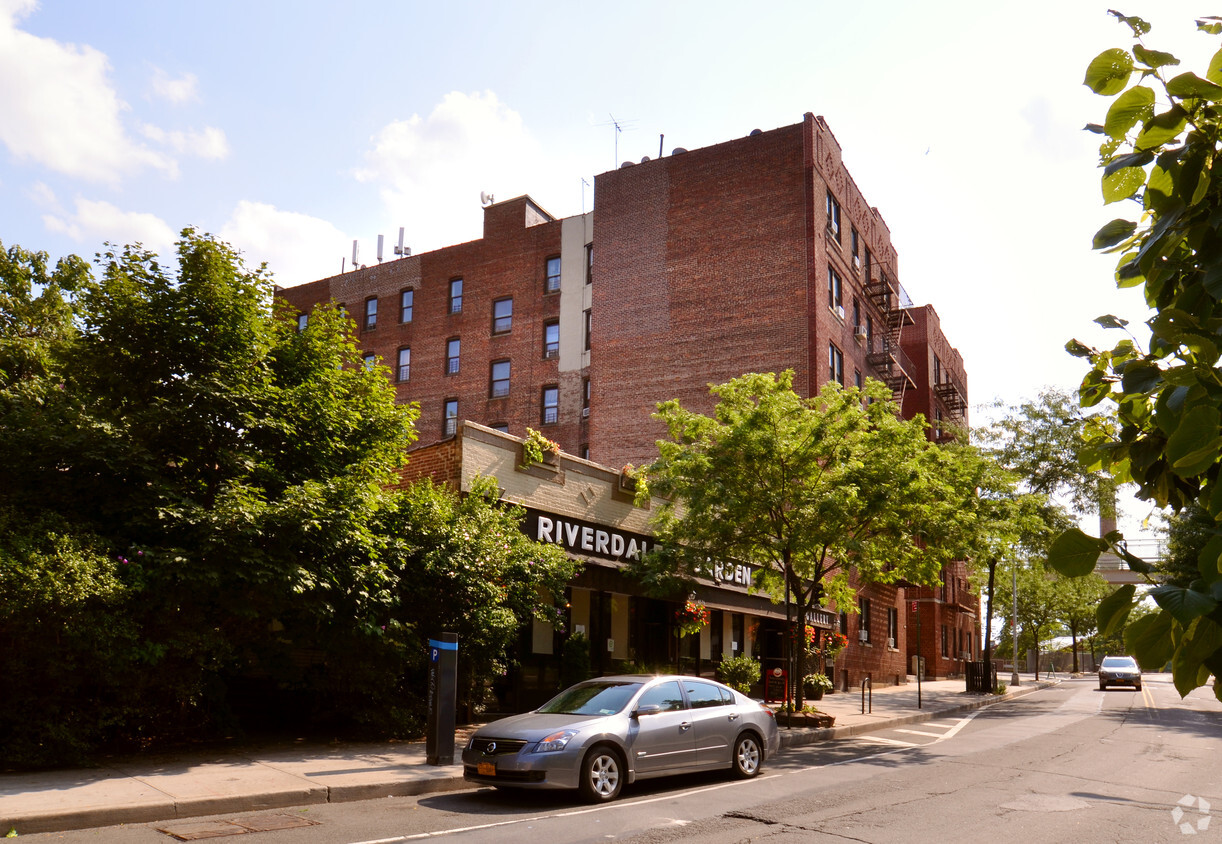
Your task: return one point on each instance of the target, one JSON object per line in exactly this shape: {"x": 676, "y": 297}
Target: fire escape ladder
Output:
{"x": 884, "y": 353}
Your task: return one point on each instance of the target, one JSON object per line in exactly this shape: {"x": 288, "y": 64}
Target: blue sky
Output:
{"x": 291, "y": 129}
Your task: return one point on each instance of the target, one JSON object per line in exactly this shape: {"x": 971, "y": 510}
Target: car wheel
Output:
{"x": 602, "y": 775}
{"x": 1102, "y": 686}
{"x": 747, "y": 756}
{"x": 1138, "y": 687}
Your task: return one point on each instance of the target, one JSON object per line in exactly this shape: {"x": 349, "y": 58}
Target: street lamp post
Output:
{"x": 1014, "y": 623}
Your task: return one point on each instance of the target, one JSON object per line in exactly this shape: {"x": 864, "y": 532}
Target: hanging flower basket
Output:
{"x": 691, "y": 618}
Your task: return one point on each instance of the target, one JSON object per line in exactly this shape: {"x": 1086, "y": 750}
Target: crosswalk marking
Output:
{"x": 896, "y": 742}
{"x": 921, "y": 733}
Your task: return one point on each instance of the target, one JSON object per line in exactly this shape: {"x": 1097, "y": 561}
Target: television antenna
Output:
{"x": 486, "y": 198}
{"x": 620, "y": 126}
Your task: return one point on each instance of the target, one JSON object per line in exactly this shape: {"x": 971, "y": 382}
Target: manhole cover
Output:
{"x": 199, "y": 830}
{"x": 1045, "y": 803}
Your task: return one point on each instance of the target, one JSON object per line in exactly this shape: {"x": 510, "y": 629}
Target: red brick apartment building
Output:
{"x": 757, "y": 254}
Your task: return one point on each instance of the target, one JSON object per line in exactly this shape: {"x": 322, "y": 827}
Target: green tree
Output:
{"x": 1188, "y": 534}
{"x": 199, "y": 521}
{"x": 811, "y": 491}
{"x": 1037, "y": 602}
{"x": 460, "y": 564}
{"x": 1076, "y": 602}
{"x": 1160, "y": 141}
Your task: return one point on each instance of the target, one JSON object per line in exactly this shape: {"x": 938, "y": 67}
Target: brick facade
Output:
{"x": 757, "y": 254}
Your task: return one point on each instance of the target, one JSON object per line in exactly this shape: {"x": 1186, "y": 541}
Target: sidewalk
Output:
{"x": 169, "y": 787}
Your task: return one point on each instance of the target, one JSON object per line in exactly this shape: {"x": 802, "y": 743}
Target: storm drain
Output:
{"x": 199, "y": 830}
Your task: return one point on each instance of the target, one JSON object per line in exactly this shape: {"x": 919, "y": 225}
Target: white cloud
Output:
{"x": 94, "y": 222}
{"x": 297, "y": 247}
{"x": 210, "y": 143}
{"x": 184, "y": 89}
{"x": 60, "y": 109}
{"x": 431, "y": 170}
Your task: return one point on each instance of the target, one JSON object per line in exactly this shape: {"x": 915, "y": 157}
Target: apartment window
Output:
{"x": 869, "y": 333}
{"x": 456, "y": 296}
{"x": 858, "y": 381}
{"x": 302, "y": 321}
{"x": 453, "y": 347}
{"x": 371, "y": 313}
{"x": 844, "y": 624}
{"x": 835, "y": 292}
{"x": 863, "y": 608}
{"x": 945, "y": 641}
{"x": 893, "y": 625}
{"x": 589, "y": 325}
{"x": 856, "y": 315}
{"x": 589, "y": 263}
{"x": 585, "y": 451}
{"x": 551, "y": 282}
{"x": 938, "y": 422}
{"x": 585, "y": 392}
{"x": 551, "y": 339}
{"x": 833, "y": 216}
{"x": 371, "y": 360}
{"x": 835, "y": 364}
{"x": 855, "y": 241}
{"x": 551, "y": 405}
{"x": 406, "y": 299}
{"x": 937, "y": 370}
{"x": 502, "y": 316}
{"x": 498, "y": 386}
{"x": 869, "y": 263}
{"x": 404, "y": 369}
{"x": 450, "y": 418}
{"x": 503, "y": 428}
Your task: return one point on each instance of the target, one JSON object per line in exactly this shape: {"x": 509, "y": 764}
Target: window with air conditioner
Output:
{"x": 551, "y": 339}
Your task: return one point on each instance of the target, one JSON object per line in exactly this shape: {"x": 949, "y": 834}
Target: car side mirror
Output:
{"x": 646, "y": 709}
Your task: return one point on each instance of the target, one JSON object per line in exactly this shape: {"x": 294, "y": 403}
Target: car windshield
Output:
{"x": 1119, "y": 662}
{"x": 599, "y": 698}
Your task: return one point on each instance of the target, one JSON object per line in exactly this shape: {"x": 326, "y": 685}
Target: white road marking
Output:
{"x": 922, "y": 733}
{"x": 617, "y": 805}
{"x": 897, "y": 742}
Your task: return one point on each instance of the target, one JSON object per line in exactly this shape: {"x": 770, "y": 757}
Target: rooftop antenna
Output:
{"x": 486, "y": 198}
{"x": 379, "y": 249}
{"x": 356, "y": 255}
{"x": 620, "y": 126}
{"x": 404, "y": 251}
{"x": 584, "y": 185}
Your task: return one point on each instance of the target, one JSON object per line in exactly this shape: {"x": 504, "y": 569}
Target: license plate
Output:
{"x": 486, "y": 769}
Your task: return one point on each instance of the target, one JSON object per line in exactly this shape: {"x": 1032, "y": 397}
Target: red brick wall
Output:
{"x": 921, "y": 341}
{"x": 701, "y": 276}
{"x": 442, "y": 462}
{"x": 509, "y": 261}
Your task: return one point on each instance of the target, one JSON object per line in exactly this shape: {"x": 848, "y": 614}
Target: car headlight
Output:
{"x": 556, "y": 741}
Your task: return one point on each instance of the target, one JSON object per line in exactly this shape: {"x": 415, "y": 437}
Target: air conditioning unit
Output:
{"x": 967, "y": 656}
{"x": 891, "y": 643}
{"x": 860, "y": 332}
{"x": 585, "y": 412}
{"x": 857, "y": 262}
{"x": 840, "y": 312}
{"x": 863, "y": 635}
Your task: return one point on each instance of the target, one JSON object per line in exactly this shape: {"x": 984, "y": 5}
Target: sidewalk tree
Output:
{"x": 816, "y": 492}
{"x": 199, "y": 513}
{"x": 1077, "y": 601}
{"x": 1160, "y": 142}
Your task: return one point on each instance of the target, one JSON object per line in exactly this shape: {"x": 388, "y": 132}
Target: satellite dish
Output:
{"x": 486, "y": 198}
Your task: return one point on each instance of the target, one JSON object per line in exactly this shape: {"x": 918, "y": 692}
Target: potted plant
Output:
{"x": 537, "y": 448}
{"x": 740, "y": 672}
{"x": 814, "y": 685}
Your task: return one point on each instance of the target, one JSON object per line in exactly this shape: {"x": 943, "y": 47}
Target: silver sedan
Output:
{"x": 604, "y": 732}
